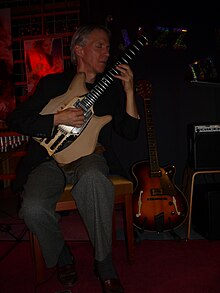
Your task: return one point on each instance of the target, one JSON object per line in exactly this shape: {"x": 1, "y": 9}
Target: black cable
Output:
{"x": 9, "y": 215}
{"x": 18, "y": 240}
{"x": 6, "y": 229}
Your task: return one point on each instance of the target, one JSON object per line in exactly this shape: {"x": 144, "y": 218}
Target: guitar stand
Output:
{"x": 138, "y": 232}
{"x": 175, "y": 235}
{"x": 137, "y": 235}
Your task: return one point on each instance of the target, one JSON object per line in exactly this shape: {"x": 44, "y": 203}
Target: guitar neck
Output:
{"x": 152, "y": 143}
{"x": 129, "y": 54}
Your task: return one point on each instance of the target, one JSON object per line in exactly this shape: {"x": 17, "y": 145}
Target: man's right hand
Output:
{"x": 70, "y": 116}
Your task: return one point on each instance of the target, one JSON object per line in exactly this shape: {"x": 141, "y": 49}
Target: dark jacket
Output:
{"x": 26, "y": 119}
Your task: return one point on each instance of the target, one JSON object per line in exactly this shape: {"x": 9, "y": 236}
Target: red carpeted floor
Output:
{"x": 160, "y": 266}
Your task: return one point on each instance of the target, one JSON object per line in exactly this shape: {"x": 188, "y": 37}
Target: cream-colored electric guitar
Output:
{"x": 70, "y": 143}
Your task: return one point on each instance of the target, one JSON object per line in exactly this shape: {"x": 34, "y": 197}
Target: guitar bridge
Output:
{"x": 156, "y": 191}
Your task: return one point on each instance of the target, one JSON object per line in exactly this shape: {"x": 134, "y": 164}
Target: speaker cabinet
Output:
{"x": 204, "y": 146}
{"x": 206, "y": 210}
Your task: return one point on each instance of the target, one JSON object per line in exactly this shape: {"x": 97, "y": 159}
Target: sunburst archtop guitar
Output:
{"x": 158, "y": 205}
{"x": 70, "y": 143}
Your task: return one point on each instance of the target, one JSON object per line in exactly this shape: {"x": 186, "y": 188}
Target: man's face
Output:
{"x": 94, "y": 55}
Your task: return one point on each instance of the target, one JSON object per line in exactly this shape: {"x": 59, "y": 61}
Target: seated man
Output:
{"x": 42, "y": 179}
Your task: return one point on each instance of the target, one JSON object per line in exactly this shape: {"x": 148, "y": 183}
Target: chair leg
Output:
{"x": 129, "y": 228}
{"x": 38, "y": 260}
{"x": 114, "y": 229}
{"x": 31, "y": 239}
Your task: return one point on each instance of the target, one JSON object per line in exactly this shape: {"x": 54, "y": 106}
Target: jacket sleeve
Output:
{"x": 128, "y": 127}
{"x": 26, "y": 119}
{"x": 124, "y": 125}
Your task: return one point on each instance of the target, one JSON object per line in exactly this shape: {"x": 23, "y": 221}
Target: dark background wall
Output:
{"x": 176, "y": 102}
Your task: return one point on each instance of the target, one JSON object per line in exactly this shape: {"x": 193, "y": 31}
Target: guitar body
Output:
{"x": 76, "y": 89}
{"x": 158, "y": 205}
{"x": 83, "y": 144}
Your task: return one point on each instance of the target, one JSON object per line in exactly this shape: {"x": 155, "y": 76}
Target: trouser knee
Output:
{"x": 32, "y": 213}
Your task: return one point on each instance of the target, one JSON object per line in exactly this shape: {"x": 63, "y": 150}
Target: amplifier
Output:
{"x": 204, "y": 146}
{"x": 206, "y": 210}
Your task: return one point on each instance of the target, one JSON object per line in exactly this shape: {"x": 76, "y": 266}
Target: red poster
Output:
{"x": 7, "y": 97}
{"x": 42, "y": 57}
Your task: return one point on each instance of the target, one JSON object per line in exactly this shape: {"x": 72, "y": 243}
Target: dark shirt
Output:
{"x": 26, "y": 119}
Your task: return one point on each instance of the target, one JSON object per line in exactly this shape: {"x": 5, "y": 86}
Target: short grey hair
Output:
{"x": 80, "y": 37}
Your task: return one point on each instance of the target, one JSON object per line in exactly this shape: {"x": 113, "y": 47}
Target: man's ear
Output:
{"x": 78, "y": 50}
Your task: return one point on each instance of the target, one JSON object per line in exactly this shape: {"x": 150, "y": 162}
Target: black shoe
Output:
{"x": 109, "y": 285}
{"x": 67, "y": 275}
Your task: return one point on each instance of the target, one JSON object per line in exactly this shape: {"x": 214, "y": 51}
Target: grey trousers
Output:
{"x": 93, "y": 193}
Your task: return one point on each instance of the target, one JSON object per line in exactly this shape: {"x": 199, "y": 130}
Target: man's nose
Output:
{"x": 107, "y": 51}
